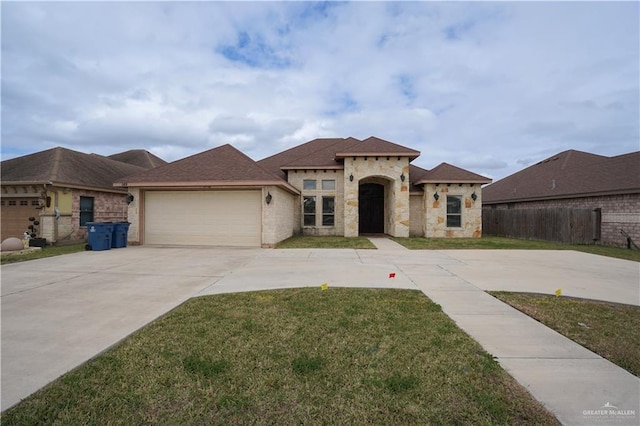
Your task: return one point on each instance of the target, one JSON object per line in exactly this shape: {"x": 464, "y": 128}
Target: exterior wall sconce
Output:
{"x": 351, "y": 177}
{"x": 268, "y": 198}
{"x": 474, "y": 197}
{"x": 402, "y": 177}
{"x": 436, "y": 196}
{"x": 129, "y": 198}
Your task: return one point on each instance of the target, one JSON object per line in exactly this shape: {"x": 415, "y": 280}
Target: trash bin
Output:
{"x": 120, "y": 232}
{"x": 99, "y": 235}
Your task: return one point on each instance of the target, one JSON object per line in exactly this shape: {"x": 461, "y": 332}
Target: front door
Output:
{"x": 371, "y": 208}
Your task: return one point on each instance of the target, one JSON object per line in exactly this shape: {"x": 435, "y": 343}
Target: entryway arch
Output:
{"x": 374, "y": 205}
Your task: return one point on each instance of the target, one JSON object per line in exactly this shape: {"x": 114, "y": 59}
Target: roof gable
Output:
{"x": 316, "y": 153}
{"x": 139, "y": 157}
{"x": 447, "y": 173}
{"x": 221, "y": 165}
{"x": 64, "y": 166}
{"x": 568, "y": 174}
{"x": 376, "y": 146}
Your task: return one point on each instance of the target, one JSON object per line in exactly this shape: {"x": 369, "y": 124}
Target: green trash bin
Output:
{"x": 99, "y": 235}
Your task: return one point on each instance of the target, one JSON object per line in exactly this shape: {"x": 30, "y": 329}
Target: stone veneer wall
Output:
{"x": 416, "y": 215}
{"x": 277, "y": 216}
{"x": 620, "y": 211}
{"x": 134, "y": 211}
{"x": 396, "y": 200}
{"x": 436, "y": 211}
{"x": 296, "y": 178}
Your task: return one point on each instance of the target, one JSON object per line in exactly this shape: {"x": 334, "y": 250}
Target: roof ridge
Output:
{"x": 255, "y": 163}
{"x": 337, "y": 141}
{"x": 55, "y": 166}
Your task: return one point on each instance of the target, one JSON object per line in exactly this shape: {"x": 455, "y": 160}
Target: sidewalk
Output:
{"x": 578, "y": 386}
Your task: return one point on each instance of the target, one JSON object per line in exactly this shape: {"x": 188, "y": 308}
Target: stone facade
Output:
{"x": 436, "y": 210}
{"x": 416, "y": 215}
{"x": 620, "y": 211}
{"x": 385, "y": 170}
{"x": 277, "y": 216}
{"x": 296, "y": 178}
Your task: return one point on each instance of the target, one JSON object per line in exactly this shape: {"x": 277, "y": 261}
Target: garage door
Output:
{"x": 221, "y": 218}
{"x": 15, "y": 215}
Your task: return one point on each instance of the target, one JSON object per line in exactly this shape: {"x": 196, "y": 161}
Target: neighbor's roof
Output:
{"x": 63, "y": 166}
{"x": 139, "y": 157}
{"x": 446, "y": 173}
{"x": 568, "y": 174}
{"x": 223, "y": 166}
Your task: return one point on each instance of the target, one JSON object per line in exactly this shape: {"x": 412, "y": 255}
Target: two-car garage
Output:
{"x": 215, "y": 217}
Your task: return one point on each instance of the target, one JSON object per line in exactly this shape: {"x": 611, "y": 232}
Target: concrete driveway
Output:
{"x": 59, "y": 312}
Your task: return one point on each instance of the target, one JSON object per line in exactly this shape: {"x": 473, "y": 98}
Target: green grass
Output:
{"x": 487, "y": 242}
{"x": 45, "y": 252}
{"x": 326, "y": 242}
{"x": 608, "y": 329}
{"x": 341, "y": 356}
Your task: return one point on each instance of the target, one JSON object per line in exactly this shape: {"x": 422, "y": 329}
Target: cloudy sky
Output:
{"x": 491, "y": 87}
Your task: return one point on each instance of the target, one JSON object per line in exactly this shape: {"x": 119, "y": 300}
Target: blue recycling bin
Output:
{"x": 99, "y": 235}
{"x": 119, "y": 236}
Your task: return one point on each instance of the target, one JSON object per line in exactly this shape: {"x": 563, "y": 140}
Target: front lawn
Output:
{"x": 340, "y": 356}
{"x": 487, "y": 242}
{"x": 608, "y": 329}
{"x": 45, "y": 252}
{"x": 326, "y": 242}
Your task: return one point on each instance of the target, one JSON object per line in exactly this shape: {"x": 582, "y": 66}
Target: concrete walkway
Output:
{"x": 59, "y": 312}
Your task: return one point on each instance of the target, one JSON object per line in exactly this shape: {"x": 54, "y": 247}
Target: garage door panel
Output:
{"x": 203, "y": 218}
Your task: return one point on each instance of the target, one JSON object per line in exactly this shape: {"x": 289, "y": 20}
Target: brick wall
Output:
{"x": 107, "y": 207}
{"x": 618, "y": 212}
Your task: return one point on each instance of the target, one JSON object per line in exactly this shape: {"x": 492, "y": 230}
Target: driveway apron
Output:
{"x": 59, "y": 312}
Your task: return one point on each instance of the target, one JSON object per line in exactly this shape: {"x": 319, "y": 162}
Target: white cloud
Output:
{"x": 487, "y": 86}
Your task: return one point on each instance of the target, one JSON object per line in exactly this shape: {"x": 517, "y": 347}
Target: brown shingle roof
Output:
{"x": 221, "y": 166}
{"x": 447, "y": 173}
{"x": 566, "y": 175}
{"x": 373, "y": 146}
{"x": 316, "y": 153}
{"x": 65, "y": 166}
{"x": 139, "y": 157}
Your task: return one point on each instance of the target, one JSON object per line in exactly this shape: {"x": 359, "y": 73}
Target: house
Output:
{"x": 337, "y": 186}
{"x": 64, "y": 189}
{"x": 576, "y": 179}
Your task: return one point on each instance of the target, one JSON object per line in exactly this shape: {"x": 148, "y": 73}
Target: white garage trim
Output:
{"x": 220, "y": 218}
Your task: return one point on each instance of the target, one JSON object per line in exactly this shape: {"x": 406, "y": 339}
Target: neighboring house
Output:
{"x": 578, "y": 179}
{"x": 343, "y": 187}
{"x": 63, "y": 189}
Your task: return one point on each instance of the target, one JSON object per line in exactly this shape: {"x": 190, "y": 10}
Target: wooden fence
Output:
{"x": 565, "y": 225}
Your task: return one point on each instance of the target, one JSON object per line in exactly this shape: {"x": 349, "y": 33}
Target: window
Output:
{"x": 329, "y": 185}
{"x": 309, "y": 211}
{"x": 86, "y": 210}
{"x": 2, "y": 202}
{"x": 24, "y": 202}
{"x": 12, "y": 202}
{"x": 308, "y": 184}
{"x": 454, "y": 211}
{"x": 328, "y": 211}
{"x": 35, "y": 203}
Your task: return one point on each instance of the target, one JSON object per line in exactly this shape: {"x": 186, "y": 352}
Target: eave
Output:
{"x": 563, "y": 196}
{"x": 411, "y": 155}
{"x": 193, "y": 185}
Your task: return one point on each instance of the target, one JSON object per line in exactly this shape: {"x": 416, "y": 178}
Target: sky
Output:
{"x": 492, "y": 87}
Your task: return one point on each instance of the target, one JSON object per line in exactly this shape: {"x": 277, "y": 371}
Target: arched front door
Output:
{"x": 371, "y": 208}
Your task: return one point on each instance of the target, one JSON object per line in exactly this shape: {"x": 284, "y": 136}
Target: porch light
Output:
{"x": 268, "y": 198}
{"x": 402, "y": 177}
{"x": 351, "y": 177}
{"x": 129, "y": 198}
{"x": 436, "y": 196}
{"x": 474, "y": 197}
